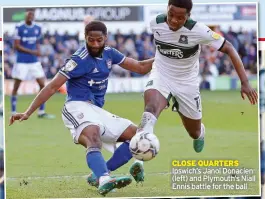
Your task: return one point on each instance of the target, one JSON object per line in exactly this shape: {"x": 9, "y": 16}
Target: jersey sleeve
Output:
{"x": 209, "y": 37}
{"x": 17, "y": 34}
{"x": 72, "y": 68}
{"x": 117, "y": 56}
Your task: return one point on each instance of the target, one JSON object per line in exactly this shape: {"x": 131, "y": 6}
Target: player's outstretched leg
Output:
{"x": 121, "y": 156}
{"x": 41, "y": 113}
{"x": 196, "y": 130}
{"x": 155, "y": 102}
{"x": 90, "y": 138}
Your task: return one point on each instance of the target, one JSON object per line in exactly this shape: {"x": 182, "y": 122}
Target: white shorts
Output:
{"x": 186, "y": 98}
{"x": 77, "y": 115}
{"x": 27, "y": 71}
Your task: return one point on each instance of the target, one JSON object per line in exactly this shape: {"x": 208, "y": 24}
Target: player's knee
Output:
{"x": 41, "y": 86}
{"x": 95, "y": 140}
{"x": 90, "y": 137}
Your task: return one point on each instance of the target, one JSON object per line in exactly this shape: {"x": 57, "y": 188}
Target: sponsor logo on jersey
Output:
{"x": 92, "y": 82}
{"x": 183, "y": 39}
{"x": 175, "y": 51}
{"x": 95, "y": 70}
{"x": 29, "y": 39}
{"x": 170, "y": 52}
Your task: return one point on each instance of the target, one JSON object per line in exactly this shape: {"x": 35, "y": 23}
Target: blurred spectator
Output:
{"x": 56, "y": 48}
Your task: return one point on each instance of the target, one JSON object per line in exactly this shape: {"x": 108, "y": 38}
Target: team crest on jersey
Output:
{"x": 109, "y": 63}
{"x": 36, "y": 31}
{"x": 183, "y": 39}
{"x": 216, "y": 36}
{"x": 25, "y": 31}
{"x": 70, "y": 65}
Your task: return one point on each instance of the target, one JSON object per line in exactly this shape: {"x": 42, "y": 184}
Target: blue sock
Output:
{"x": 96, "y": 163}
{"x": 14, "y": 103}
{"x": 42, "y": 107}
{"x": 121, "y": 156}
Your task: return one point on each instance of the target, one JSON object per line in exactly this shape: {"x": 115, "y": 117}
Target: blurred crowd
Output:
{"x": 55, "y": 48}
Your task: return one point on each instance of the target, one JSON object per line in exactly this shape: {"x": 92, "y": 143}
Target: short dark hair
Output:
{"x": 96, "y": 26}
{"x": 181, "y": 4}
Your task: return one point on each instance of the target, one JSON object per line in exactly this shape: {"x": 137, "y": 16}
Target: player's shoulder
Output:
{"x": 158, "y": 19}
{"x": 191, "y": 24}
{"x": 195, "y": 26}
{"x": 81, "y": 54}
{"x": 110, "y": 50}
{"x": 36, "y": 25}
{"x": 20, "y": 24}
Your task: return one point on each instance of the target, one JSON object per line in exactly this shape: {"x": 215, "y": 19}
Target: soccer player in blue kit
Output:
{"x": 27, "y": 36}
{"x": 86, "y": 76}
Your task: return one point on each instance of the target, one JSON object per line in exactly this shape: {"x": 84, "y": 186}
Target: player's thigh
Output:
{"x": 36, "y": 71}
{"x": 156, "y": 94}
{"x": 187, "y": 101}
{"x": 128, "y": 133}
{"x": 20, "y": 71}
{"x": 116, "y": 128}
{"x": 78, "y": 115}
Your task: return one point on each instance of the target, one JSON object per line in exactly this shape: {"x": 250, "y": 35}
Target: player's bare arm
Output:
{"x": 42, "y": 97}
{"x": 246, "y": 89}
{"x": 19, "y": 47}
{"x": 141, "y": 67}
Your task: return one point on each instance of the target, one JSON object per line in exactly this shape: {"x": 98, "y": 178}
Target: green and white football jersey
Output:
{"x": 177, "y": 52}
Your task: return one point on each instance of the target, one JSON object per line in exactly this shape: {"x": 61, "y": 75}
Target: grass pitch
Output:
{"x": 43, "y": 162}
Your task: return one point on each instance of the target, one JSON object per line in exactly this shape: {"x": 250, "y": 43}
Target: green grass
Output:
{"x": 42, "y": 161}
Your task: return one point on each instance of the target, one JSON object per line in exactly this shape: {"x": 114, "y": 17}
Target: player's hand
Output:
{"x": 18, "y": 116}
{"x": 251, "y": 93}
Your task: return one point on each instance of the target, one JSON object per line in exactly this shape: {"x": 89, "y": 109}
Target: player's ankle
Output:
{"x": 139, "y": 161}
{"x": 148, "y": 120}
{"x": 202, "y": 133}
{"x": 41, "y": 112}
{"x": 103, "y": 179}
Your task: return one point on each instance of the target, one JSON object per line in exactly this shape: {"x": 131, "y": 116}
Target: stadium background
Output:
{"x": 61, "y": 39}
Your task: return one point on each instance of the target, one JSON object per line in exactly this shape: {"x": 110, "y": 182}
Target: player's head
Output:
{"x": 29, "y": 17}
{"x": 178, "y": 11}
{"x": 96, "y": 37}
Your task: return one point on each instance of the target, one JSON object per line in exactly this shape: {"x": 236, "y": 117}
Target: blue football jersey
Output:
{"x": 88, "y": 76}
{"x": 28, "y": 36}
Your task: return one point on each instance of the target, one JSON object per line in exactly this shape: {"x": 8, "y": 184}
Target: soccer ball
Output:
{"x": 144, "y": 146}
